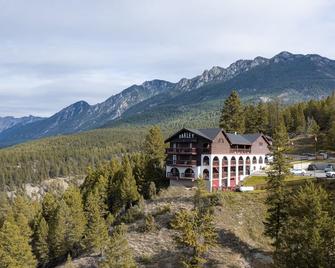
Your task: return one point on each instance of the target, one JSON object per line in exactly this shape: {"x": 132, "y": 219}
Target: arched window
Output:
{"x": 189, "y": 173}
{"x": 215, "y": 161}
{"x": 233, "y": 160}
{"x": 206, "y": 161}
{"x": 260, "y": 161}
{"x": 254, "y": 160}
{"x": 240, "y": 160}
{"x": 247, "y": 160}
{"x": 266, "y": 160}
{"x": 224, "y": 162}
{"x": 174, "y": 172}
{"x": 205, "y": 174}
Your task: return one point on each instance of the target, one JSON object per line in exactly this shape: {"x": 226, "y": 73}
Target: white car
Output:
{"x": 298, "y": 171}
{"x": 330, "y": 174}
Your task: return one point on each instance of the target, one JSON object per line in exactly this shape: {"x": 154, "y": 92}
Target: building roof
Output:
{"x": 211, "y": 133}
{"x": 238, "y": 139}
{"x": 208, "y": 133}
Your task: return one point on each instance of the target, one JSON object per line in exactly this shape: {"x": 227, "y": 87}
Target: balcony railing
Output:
{"x": 181, "y": 150}
{"x": 180, "y": 176}
{"x": 240, "y": 151}
{"x": 181, "y": 162}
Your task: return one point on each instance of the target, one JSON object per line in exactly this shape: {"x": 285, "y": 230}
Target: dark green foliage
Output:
{"x": 15, "y": 250}
{"x": 96, "y": 234}
{"x": 232, "y": 118}
{"x": 277, "y": 195}
{"x": 308, "y": 235}
{"x": 118, "y": 253}
{"x": 40, "y": 240}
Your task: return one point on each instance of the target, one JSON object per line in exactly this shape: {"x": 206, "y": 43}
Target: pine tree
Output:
{"x": 40, "y": 240}
{"x": 309, "y": 231}
{"x": 251, "y": 119}
{"x": 262, "y": 118}
{"x": 312, "y": 127}
{"x": 154, "y": 149}
{"x": 15, "y": 250}
{"x": 232, "y": 118}
{"x": 118, "y": 253}
{"x": 57, "y": 232}
{"x": 96, "y": 234}
{"x": 195, "y": 228}
{"x": 76, "y": 222}
{"x": 124, "y": 190}
{"x": 154, "y": 145}
{"x": 276, "y": 199}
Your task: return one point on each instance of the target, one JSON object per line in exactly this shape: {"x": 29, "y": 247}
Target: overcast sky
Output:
{"x": 56, "y": 52}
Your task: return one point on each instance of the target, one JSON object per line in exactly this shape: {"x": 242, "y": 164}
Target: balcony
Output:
{"x": 181, "y": 150}
{"x": 177, "y": 176}
{"x": 239, "y": 151}
{"x": 181, "y": 163}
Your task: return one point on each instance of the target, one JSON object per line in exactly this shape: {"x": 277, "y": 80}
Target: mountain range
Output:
{"x": 291, "y": 77}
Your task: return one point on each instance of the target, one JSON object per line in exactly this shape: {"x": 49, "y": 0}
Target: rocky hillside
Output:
{"x": 291, "y": 77}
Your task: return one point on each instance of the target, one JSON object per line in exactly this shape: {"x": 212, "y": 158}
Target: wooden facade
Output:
{"x": 223, "y": 159}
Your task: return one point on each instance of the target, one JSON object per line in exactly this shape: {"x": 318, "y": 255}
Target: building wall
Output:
{"x": 260, "y": 146}
{"x": 220, "y": 144}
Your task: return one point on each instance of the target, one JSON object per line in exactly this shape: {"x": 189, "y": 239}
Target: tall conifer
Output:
{"x": 232, "y": 117}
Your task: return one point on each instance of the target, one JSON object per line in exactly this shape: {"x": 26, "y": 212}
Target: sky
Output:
{"x": 56, "y": 52}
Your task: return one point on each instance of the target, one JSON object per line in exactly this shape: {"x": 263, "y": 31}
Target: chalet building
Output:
{"x": 222, "y": 159}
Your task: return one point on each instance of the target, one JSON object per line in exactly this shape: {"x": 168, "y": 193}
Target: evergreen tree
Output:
{"x": 276, "y": 199}
{"x": 57, "y": 232}
{"x": 125, "y": 190}
{"x": 154, "y": 146}
{"x": 195, "y": 228}
{"x": 76, "y": 221}
{"x": 312, "y": 127}
{"x": 15, "y": 250}
{"x": 40, "y": 240}
{"x": 262, "y": 118}
{"x": 251, "y": 119}
{"x": 232, "y": 118}
{"x": 154, "y": 149}
{"x": 309, "y": 231}
{"x": 118, "y": 253}
{"x": 96, "y": 234}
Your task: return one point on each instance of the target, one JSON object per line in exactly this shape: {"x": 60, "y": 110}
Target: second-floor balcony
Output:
{"x": 181, "y": 150}
{"x": 181, "y": 162}
{"x": 239, "y": 151}
{"x": 180, "y": 176}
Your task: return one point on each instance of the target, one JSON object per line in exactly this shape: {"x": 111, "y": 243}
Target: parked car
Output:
{"x": 330, "y": 167}
{"x": 330, "y": 174}
{"x": 298, "y": 171}
{"x": 312, "y": 167}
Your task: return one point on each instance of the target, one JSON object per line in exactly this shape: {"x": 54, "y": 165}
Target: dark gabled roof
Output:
{"x": 237, "y": 139}
{"x": 252, "y": 137}
{"x": 207, "y": 133}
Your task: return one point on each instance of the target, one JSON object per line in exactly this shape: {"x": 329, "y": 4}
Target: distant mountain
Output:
{"x": 291, "y": 77}
{"x": 10, "y": 121}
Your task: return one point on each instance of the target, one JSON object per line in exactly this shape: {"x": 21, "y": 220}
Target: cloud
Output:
{"x": 53, "y": 53}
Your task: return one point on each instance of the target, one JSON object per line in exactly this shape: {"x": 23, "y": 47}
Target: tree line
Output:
{"x": 85, "y": 219}
{"x": 313, "y": 117}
